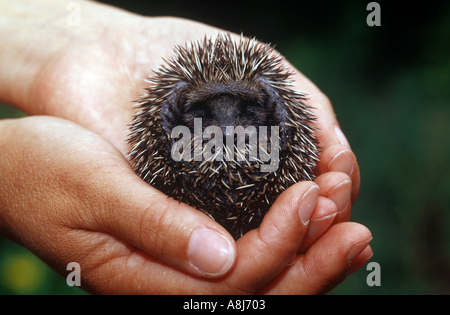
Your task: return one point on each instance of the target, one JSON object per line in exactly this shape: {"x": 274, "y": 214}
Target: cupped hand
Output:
{"x": 70, "y": 196}
{"x": 128, "y": 230}
{"x": 91, "y": 73}
{"x": 92, "y": 76}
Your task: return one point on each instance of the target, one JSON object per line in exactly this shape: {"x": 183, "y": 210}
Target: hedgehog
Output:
{"x": 220, "y": 128}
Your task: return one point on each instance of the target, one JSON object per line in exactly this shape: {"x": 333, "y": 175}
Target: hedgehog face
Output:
{"x": 227, "y": 105}
{"x": 224, "y": 84}
{"x": 226, "y": 110}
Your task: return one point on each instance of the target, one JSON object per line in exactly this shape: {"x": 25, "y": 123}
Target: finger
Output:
{"x": 329, "y": 134}
{"x": 337, "y": 187}
{"x": 353, "y": 266}
{"x": 340, "y": 158}
{"x": 321, "y": 219}
{"x": 326, "y": 262}
{"x": 266, "y": 251}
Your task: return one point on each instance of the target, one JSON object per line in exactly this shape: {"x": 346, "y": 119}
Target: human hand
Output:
{"x": 68, "y": 195}
{"x": 90, "y": 77}
{"x": 89, "y": 74}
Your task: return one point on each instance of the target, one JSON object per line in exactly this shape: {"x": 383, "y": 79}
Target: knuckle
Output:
{"x": 155, "y": 224}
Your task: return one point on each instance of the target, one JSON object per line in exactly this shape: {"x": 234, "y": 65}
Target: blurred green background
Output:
{"x": 390, "y": 87}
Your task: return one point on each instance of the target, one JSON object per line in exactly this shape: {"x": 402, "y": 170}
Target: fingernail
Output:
{"x": 342, "y": 162}
{"x": 316, "y": 227}
{"x": 308, "y": 202}
{"x": 292, "y": 260}
{"x": 341, "y": 194}
{"x": 357, "y": 249}
{"x": 340, "y": 135}
{"x": 210, "y": 253}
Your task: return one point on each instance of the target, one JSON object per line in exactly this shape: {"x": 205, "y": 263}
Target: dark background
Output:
{"x": 390, "y": 87}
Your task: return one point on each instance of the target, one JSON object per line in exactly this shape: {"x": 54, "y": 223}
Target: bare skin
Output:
{"x": 69, "y": 194}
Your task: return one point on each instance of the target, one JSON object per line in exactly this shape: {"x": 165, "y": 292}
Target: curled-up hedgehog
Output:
{"x": 221, "y": 129}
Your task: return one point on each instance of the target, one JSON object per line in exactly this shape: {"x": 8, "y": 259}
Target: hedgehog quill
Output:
{"x": 201, "y": 132}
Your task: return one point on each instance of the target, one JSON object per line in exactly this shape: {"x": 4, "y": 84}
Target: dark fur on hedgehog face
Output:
{"x": 226, "y": 110}
{"x": 225, "y": 105}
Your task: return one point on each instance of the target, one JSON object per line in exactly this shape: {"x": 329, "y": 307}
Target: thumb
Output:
{"x": 168, "y": 230}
